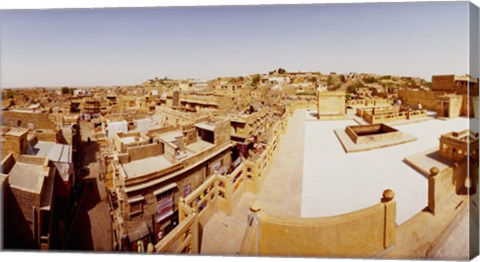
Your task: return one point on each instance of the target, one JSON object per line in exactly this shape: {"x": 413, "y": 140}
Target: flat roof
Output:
{"x": 53, "y": 151}
{"x": 170, "y": 136}
{"x": 205, "y": 126}
{"x": 146, "y": 166}
{"x": 199, "y": 146}
{"x": 335, "y": 182}
{"x": 16, "y": 132}
{"x": 27, "y": 177}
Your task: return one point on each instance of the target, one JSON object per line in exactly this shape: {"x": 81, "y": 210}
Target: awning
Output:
{"x": 164, "y": 215}
{"x": 137, "y": 230}
{"x": 135, "y": 199}
{"x": 165, "y": 189}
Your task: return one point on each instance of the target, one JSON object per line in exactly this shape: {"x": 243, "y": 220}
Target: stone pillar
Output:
{"x": 432, "y": 205}
{"x": 181, "y": 209}
{"x": 390, "y": 216}
{"x": 254, "y": 212}
{"x": 195, "y": 232}
{"x": 228, "y": 194}
{"x": 254, "y": 223}
{"x": 150, "y": 248}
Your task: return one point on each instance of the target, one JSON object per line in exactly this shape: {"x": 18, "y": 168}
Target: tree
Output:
{"x": 369, "y": 79}
{"x": 313, "y": 79}
{"x": 351, "y": 89}
{"x": 281, "y": 71}
{"x": 342, "y": 78}
{"x": 65, "y": 90}
{"x": 256, "y": 79}
{"x": 10, "y": 93}
{"x": 329, "y": 80}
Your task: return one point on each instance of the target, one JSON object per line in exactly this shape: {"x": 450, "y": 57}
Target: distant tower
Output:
{"x": 176, "y": 99}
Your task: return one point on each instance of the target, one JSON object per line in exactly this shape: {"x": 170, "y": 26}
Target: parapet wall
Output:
{"x": 144, "y": 151}
{"x": 445, "y": 184}
{"x": 46, "y": 135}
{"x": 362, "y": 233}
{"x": 396, "y": 116}
{"x": 7, "y": 163}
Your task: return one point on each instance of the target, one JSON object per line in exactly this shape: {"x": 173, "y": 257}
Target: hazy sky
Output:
{"x": 117, "y": 46}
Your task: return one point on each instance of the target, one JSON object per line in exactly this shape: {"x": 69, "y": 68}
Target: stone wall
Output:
{"x": 362, "y": 233}
{"x": 222, "y": 132}
{"x": 26, "y": 201}
{"x": 7, "y": 163}
{"x": 443, "y": 83}
{"x": 428, "y": 99}
{"x": 444, "y": 185}
{"x": 331, "y": 105}
{"x": 144, "y": 151}
{"x": 46, "y": 135}
{"x": 22, "y": 119}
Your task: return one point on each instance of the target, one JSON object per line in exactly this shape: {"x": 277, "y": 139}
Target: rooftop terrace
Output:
{"x": 335, "y": 182}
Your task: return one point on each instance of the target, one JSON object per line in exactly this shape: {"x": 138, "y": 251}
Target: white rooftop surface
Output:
{"x": 145, "y": 124}
{"x": 146, "y": 166}
{"x": 335, "y": 182}
{"x": 55, "y": 152}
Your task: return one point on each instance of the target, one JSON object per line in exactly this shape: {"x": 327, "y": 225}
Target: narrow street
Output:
{"x": 91, "y": 229}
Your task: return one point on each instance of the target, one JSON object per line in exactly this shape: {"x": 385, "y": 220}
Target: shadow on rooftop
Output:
{"x": 87, "y": 153}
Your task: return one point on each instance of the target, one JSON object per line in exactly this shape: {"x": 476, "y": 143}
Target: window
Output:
{"x": 187, "y": 189}
{"x": 136, "y": 208}
{"x": 136, "y": 205}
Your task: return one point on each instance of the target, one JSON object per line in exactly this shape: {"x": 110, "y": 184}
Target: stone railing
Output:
{"x": 202, "y": 199}
{"x": 256, "y": 169}
{"x": 218, "y": 192}
{"x": 183, "y": 238}
{"x": 369, "y": 102}
{"x": 362, "y": 233}
{"x": 396, "y": 116}
{"x": 230, "y": 189}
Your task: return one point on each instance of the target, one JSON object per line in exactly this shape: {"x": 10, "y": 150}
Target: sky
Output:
{"x": 127, "y": 46}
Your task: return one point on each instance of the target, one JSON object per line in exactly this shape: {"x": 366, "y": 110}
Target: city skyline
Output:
{"x": 127, "y": 46}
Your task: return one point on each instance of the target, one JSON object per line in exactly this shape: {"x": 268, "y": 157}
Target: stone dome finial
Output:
{"x": 388, "y": 195}
{"x": 434, "y": 171}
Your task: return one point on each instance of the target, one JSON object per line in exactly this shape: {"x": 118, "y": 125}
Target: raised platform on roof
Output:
{"x": 422, "y": 162}
{"x": 350, "y": 145}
